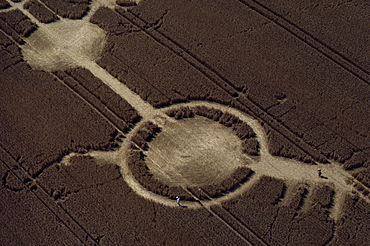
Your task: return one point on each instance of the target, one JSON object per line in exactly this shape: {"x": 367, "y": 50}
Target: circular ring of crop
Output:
{"x": 172, "y": 158}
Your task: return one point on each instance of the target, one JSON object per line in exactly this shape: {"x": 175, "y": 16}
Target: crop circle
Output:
{"x": 203, "y": 149}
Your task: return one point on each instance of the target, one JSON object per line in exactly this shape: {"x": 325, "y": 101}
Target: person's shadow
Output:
{"x": 323, "y": 177}
{"x": 182, "y": 206}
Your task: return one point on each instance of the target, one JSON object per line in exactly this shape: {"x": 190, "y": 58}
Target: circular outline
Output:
{"x": 161, "y": 121}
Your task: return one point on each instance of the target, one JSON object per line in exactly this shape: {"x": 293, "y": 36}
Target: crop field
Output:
{"x": 254, "y": 113}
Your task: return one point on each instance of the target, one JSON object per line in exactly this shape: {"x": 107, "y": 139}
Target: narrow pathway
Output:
{"x": 146, "y": 110}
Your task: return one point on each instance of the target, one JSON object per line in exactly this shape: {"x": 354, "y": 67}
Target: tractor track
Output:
{"x": 246, "y": 103}
{"x": 237, "y": 224}
{"x": 253, "y": 107}
{"x": 42, "y": 195}
{"x": 301, "y": 34}
{"x": 107, "y": 116}
{"x": 239, "y": 230}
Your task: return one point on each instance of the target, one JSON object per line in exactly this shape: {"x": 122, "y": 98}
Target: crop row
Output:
{"x": 104, "y": 99}
{"x": 4, "y": 4}
{"x": 159, "y": 80}
{"x": 96, "y": 195}
{"x": 48, "y": 121}
{"x": 40, "y": 12}
{"x": 281, "y": 222}
{"x": 73, "y": 9}
{"x": 16, "y": 25}
{"x": 353, "y": 226}
{"x": 126, "y": 3}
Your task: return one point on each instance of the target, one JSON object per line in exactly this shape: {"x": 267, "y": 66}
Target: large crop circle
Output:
{"x": 201, "y": 153}
{"x": 194, "y": 152}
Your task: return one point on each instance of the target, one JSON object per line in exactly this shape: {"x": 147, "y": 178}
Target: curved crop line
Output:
{"x": 209, "y": 209}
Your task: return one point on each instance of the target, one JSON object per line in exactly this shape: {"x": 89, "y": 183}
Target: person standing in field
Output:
{"x": 178, "y": 200}
{"x": 319, "y": 173}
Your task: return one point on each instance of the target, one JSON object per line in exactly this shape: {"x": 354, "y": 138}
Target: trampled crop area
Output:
{"x": 109, "y": 110}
